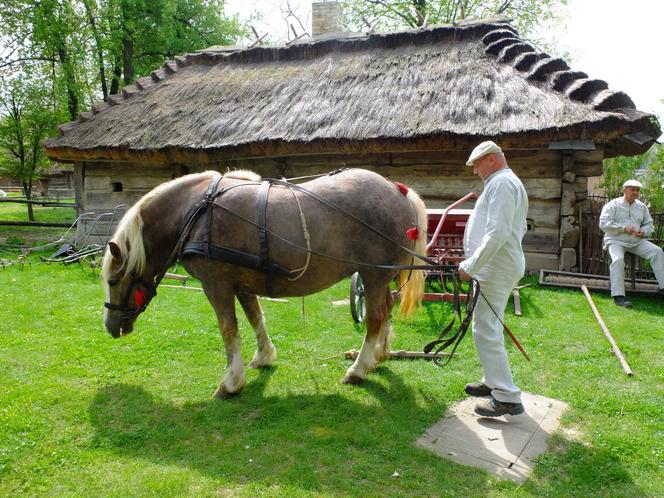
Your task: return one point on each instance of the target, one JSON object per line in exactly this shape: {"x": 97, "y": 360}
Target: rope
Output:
{"x": 307, "y": 239}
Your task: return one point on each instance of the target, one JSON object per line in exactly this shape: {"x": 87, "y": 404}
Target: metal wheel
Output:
{"x": 357, "y": 307}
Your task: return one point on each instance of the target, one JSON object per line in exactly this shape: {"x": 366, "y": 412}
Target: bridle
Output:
{"x": 142, "y": 293}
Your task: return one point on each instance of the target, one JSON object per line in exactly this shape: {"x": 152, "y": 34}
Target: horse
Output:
{"x": 245, "y": 237}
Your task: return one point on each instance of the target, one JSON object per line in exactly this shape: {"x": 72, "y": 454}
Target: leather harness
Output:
{"x": 206, "y": 249}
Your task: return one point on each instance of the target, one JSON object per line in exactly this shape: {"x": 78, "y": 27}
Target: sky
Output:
{"x": 618, "y": 41}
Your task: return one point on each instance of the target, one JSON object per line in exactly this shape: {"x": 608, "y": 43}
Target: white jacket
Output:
{"x": 618, "y": 214}
{"x": 492, "y": 240}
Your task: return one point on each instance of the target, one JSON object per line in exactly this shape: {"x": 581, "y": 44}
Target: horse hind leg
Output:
{"x": 375, "y": 347}
{"x": 385, "y": 337}
{"x": 266, "y": 353}
{"x": 222, "y": 299}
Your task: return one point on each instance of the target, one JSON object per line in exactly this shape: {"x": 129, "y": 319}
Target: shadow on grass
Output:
{"x": 314, "y": 442}
{"x": 322, "y": 443}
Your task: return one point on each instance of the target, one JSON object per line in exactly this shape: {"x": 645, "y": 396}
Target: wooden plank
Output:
{"x": 36, "y": 224}
{"x": 95, "y": 201}
{"x": 541, "y": 242}
{"x": 588, "y": 169}
{"x": 537, "y": 261}
{"x": 39, "y": 203}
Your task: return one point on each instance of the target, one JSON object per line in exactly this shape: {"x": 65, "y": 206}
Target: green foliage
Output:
{"x": 398, "y": 14}
{"x": 26, "y": 118}
{"x": 85, "y": 50}
{"x": 648, "y": 168}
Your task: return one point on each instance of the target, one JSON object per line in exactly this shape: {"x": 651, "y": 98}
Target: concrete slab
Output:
{"x": 505, "y": 446}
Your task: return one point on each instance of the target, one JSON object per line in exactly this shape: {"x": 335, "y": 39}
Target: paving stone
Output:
{"x": 505, "y": 446}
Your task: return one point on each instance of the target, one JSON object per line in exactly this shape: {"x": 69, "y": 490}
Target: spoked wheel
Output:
{"x": 357, "y": 306}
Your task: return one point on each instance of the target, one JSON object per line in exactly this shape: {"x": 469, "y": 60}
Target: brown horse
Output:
{"x": 243, "y": 237}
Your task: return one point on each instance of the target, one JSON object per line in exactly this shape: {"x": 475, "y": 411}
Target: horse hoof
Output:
{"x": 263, "y": 361}
{"x": 352, "y": 379}
{"x": 223, "y": 393}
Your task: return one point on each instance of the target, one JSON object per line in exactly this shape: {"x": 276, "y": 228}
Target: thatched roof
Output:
{"x": 438, "y": 88}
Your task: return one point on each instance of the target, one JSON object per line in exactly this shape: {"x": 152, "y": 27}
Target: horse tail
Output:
{"x": 411, "y": 282}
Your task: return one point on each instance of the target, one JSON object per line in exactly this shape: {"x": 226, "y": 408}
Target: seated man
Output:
{"x": 626, "y": 222}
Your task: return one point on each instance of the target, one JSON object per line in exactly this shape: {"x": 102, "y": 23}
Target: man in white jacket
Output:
{"x": 626, "y": 222}
{"x": 494, "y": 257}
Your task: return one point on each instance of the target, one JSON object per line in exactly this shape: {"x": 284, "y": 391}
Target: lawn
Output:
{"x": 82, "y": 414}
{"x": 20, "y": 236}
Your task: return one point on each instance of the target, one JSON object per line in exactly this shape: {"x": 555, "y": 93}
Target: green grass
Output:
{"x": 82, "y": 414}
{"x": 19, "y": 236}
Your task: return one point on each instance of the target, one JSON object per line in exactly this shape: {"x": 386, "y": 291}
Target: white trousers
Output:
{"x": 489, "y": 341}
{"x": 644, "y": 249}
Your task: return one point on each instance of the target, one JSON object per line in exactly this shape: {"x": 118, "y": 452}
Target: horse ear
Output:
{"x": 115, "y": 250}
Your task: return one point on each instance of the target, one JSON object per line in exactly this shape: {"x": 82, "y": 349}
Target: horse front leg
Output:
{"x": 266, "y": 353}
{"x": 375, "y": 347}
{"x": 222, "y": 298}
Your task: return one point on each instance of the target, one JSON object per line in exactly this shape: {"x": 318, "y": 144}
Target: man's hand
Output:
{"x": 629, "y": 229}
{"x": 463, "y": 275}
{"x": 640, "y": 234}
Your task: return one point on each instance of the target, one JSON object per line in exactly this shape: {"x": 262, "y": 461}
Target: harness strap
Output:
{"x": 233, "y": 256}
{"x": 264, "y": 250}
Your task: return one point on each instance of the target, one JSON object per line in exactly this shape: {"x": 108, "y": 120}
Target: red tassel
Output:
{"x": 412, "y": 233}
{"x": 401, "y": 187}
{"x": 139, "y": 298}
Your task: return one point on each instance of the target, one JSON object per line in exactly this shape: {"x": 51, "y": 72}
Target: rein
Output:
{"x": 444, "y": 342}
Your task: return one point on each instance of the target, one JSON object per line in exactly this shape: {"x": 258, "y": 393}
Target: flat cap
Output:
{"x": 481, "y": 150}
{"x": 632, "y": 183}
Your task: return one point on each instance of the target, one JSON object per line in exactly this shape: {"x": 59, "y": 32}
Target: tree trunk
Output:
{"x": 98, "y": 48}
{"x": 27, "y": 191}
{"x": 117, "y": 74}
{"x": 72, "y": 98}
{"x": 128, "y": 59}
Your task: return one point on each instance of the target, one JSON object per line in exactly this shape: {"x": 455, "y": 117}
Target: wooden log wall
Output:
{"x": 556, "y": 182}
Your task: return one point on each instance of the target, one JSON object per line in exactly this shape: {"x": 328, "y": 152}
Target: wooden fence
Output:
{"x": 43, "y": 203}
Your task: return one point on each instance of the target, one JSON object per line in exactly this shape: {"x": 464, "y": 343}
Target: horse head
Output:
{"x": 128, "y": 290}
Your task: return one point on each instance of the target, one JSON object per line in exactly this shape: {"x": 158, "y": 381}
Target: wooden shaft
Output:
{"x": 614, "y": 346}
{"x": 352, "y": 354}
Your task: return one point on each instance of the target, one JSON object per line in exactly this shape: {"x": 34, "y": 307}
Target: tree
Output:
{"x": 389, "y": 15}
{"x": 27, "y": 118}
{"x": 139, "y": 35}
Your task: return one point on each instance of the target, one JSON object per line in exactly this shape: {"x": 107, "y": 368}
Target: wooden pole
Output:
{"x": 352, "y": 354}
{"x": 614, "y": 346}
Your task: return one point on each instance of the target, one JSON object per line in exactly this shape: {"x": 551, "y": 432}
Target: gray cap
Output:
{"x": 482, "y": 150}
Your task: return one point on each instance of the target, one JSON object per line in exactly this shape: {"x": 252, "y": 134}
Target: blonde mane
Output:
{"x": 129, "y": 234}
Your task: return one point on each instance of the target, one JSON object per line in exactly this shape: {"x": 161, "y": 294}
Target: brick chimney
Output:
{"x": 327, "y": 18}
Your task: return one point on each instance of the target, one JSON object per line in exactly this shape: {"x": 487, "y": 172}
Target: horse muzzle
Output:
{"x": 119, "y": 328}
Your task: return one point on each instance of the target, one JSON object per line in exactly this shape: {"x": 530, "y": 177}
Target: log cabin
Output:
{"x": 410, "y": 105}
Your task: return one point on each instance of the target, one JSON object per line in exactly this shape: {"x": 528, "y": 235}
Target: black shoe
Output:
{"x": 477, "y": 389}
{"x": 495, "y": 408}
{"x": 621, "y": 301}
{"x": 660, "y": 292}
